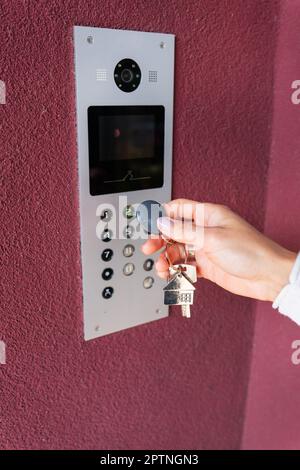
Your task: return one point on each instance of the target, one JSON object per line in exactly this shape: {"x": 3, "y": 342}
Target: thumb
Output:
{"x": 181, "y": 231}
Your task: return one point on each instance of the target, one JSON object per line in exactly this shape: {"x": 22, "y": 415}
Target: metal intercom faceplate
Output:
{"x": 124, "y": 89}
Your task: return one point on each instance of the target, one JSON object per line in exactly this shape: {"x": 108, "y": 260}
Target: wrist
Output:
{"x": 281, "y": 270}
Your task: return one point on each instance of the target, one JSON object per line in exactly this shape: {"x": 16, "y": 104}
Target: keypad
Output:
{"x": 127, "y": 251}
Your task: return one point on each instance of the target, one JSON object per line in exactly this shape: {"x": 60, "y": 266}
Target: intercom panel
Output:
{"x": 124, "y": 100}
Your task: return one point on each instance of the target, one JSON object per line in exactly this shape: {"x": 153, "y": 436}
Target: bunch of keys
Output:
{"x": 180, "y": 288}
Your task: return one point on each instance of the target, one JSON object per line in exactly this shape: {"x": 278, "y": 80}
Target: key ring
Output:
{"x": 169, "y": 242}
{"x": 189, "y": 250}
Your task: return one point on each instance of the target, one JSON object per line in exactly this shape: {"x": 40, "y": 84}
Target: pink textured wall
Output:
{"x": 172, "y": 383}
{"x": 273, "y": 410}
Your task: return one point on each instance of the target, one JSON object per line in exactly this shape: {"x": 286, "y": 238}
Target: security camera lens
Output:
{"x": 127, "y": 75}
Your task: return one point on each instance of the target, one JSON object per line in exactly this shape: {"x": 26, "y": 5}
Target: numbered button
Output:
{"x": 106, "y": 235}
{"x": 148, "y": 282}
{"x": 148, "y": 264}
{"x": 107, "y": 254}
{"x": 107, "y": 292}
{"x": 128, "y": 231}
{"x": 128, "y": 269}
{"x": 106, "y": 215}
{"x": 129, "y": 212}
{"x": 107, "y": 274}
{"x": 128, "y": 250}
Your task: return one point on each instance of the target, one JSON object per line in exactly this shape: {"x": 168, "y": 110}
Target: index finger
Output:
{"x": 204, "y": 214}
{"x": 152, "y": 245}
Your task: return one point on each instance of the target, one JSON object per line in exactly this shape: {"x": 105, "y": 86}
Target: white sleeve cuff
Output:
{"x": 288, "y": 299}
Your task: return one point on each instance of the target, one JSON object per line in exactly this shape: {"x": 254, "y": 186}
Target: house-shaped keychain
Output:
{"x": 179, "y": 290}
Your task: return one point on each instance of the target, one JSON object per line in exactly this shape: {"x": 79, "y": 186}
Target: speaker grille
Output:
{"x": 101, "y": 75}
{"x": 152, "y": 76}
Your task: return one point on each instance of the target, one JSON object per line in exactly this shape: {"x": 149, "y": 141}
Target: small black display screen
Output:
{"x": 126, "y": 148}
{"x": 126, "y": 137}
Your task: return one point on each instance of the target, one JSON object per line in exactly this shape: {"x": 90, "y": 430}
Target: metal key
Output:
{"x": 191, "y": 272}
{"x": 180, "y": 289}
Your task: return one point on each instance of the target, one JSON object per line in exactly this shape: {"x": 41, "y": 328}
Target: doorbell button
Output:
{"x": 148, "y": 264}
{"x": 107, "y": 292}
{"x": 147, "y": 214}
{"x": 107, "y": 254}
{"x": 107, "y": 274}
{"x": 106, "y": 235}
{"x": 106, "y": 215}
{"x": 148, "y": 282}
{"x": 128, "y": 231}
{"x": 129, "y": 212}
{"x": 128, "y": 250}
{"x": 128, "y": 269}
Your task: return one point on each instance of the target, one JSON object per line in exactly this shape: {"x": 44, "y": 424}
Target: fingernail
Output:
{"x": 164, "y": 224}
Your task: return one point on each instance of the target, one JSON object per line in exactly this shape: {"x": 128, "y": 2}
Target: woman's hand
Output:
{"x": 228, "y": 250}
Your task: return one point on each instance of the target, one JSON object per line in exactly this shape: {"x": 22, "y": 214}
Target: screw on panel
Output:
{"x": 97, "y": 328}
{"x": 90, "y": 39}
{"x": 162, "y": 45}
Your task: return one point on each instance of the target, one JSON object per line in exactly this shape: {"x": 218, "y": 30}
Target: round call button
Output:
{"x": 107, "y": 292}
